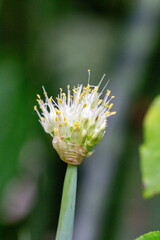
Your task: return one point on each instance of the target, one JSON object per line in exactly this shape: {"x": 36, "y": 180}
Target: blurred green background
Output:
{"x": 53, "y": 43}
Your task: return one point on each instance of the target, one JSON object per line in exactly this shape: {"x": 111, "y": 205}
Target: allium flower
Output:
{"x": 76, "y": 121}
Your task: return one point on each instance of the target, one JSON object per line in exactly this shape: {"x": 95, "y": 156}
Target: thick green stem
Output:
{"x": 67, "y": 211}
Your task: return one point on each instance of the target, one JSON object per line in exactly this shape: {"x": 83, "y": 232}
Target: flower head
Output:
{"x": 77, "y": 120}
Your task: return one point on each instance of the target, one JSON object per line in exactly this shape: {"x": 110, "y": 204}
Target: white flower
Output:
{"x": 77, "y": 121}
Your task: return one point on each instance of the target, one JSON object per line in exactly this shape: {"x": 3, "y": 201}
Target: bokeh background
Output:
{"x": 53, "y": 43}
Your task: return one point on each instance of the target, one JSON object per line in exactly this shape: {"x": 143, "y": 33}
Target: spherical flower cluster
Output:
{"x": 76, "y": 121}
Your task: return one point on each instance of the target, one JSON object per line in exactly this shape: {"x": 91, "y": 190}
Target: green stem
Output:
{"x": 66, "y": 217}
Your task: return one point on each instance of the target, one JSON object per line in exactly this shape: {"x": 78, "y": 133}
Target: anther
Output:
{"x": 110, "y": 106}
{"x": 65, "y": 123}
{"x": 100, "y": 101}
{"x": 108, "y": 92}
{"x": 113, "y": 113}
{"x": 76, "y": 124}
{"x": 84, "y": 105}
{"x": 107, "y": 103}
{"x": 56, "y": 130}
{"x": 50, "y": 99}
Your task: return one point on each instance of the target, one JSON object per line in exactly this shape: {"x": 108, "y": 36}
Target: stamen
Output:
{"x": 38, "y": 96}
{"x": 100, "y": 101}
{"x": 107, "y": 103}
{"x": 65, "y": 123}
{"x": 83, "y": 93}
{"x": 95, "y": 89}
{"x": 76, "y": 124}
{"x": 59, "y": 99}
{"x": 60, "y": 124}
{"x": 101, "y": 80}
{"x": 104, "y": 88}
{"x": 110, "y": 106}
{"x": 56, "y": 130}
{"x": 113, "y": 113}
{"x": 39, "y": 101}
{"x": 108, "y": 113}
{"x": 57, "y": 118}
{"x": 74, "y": 90}
{"x": 89, "y": 74}
{"x": 108, "y": 92}
{"x": 45, "y": 93}
{"x": 84, "y": 105}
{"x": 88, "y": 87}
{"x": 43, "y": 119}
{"x": 50, "y": 99}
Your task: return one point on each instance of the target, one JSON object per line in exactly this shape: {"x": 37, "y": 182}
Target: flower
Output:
{"x": 76, "y": 121}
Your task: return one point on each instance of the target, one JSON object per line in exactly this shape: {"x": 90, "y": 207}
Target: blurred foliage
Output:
{"x": 150, "y": 236}
{"x": 150, "y": 150}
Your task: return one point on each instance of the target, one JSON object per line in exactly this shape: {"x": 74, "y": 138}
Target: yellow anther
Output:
{"x": 107, "y": 103}
{"x": 35, "y": 108}
{"x": 57, "y": 118}
{"x": 65, "y": 123}
{"x": 71, "y": 96}
{"x": 60, "y": 100}
{"x": 39, "y": 101}
{"x": 89, "y": 70}
{"x": 43, "y": 119}
{"x": 61, "y": 89}
{"x": 95, "y": 89}
{"x": 76, "y": 124}
{"x": 56, "y": 130}
{"x": 64, "y": 119}
{"x": 107, "y": 113}
{"x": 110, "y": 106}
{"x": 108, "y": 92}
{"x": 68, "y": 86}
{"x": 38, "y": 96}
{"x": 88, "y": 87}
{"x": 59, "y": 112}
{"x": 83, "y": 93}
{"x": 63, "y": 94}
{"x": 112, "y": 97}
{"x": 60, "y": 124}
{"x": 77, "y": 100}
{"x": 50, "y": 99}
{"x": 74, "y": 90}
{"x": 84, "y": 105}
{"x": 100, "y": 101}
{"x": 113, "y": 113}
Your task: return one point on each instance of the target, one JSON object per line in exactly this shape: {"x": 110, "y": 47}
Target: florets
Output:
{"x": 76, "y": 121}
